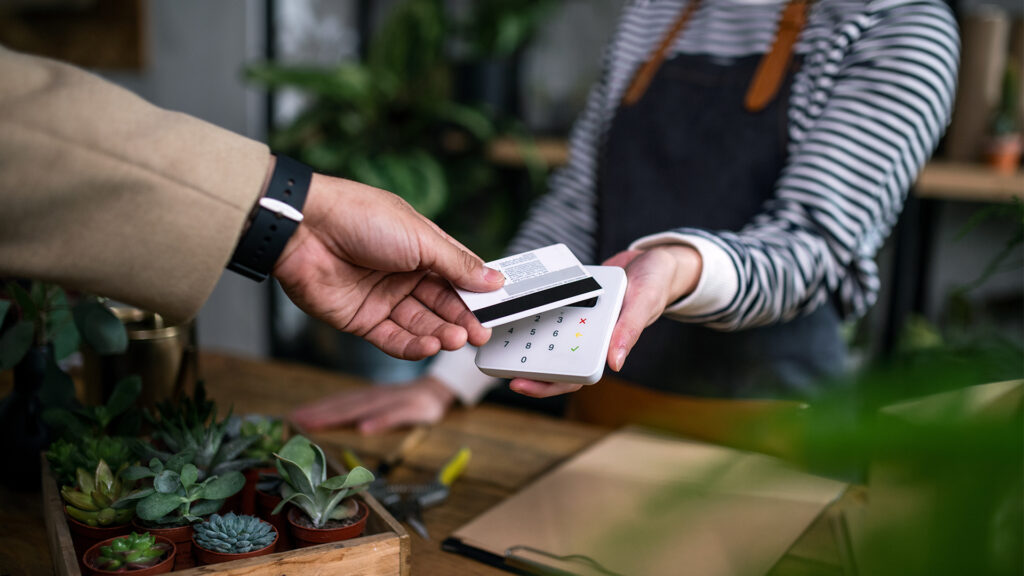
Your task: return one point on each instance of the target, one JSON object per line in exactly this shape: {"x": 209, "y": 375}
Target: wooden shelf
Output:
{"x": 941, "y": 180}
{"x": 968, "y": 182}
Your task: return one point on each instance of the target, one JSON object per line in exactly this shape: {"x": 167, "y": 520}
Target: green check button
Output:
{"x": 574, "y": 348}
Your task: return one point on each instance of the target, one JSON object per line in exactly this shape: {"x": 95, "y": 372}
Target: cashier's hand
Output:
{"x": 657, "y": 277}
{"x": 366, "y": 263}
{"x": 379, "y": 408}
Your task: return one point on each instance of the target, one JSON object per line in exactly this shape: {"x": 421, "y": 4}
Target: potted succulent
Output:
{"x": 232, "y": 537}
{"x": 89, "y": 506}
{"x": 324, "y": 509}
{"x": 177, "y": 499}
{"x": 269, "y": 434}
{"x": 136, "y": 554}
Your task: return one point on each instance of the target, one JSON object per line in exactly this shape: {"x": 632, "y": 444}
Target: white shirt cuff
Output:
{"x": 457, "y": 370}
{"x": 719, "y": 281}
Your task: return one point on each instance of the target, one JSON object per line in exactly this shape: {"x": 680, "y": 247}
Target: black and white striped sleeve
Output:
{"x": 567, "y": 213}
{"x": 860, "y": 139}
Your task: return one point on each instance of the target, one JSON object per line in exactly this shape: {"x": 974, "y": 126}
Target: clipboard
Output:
{"x": 641, "y": 503}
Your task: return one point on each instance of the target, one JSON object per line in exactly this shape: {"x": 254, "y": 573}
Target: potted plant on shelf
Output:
{"x": 177, "y": 499}
{"x": 1003, "y": 151}
{"x": 324, "y": 509}
{"x": 137, "y": 554}
{"x": 89, "y": 506}
{"x": 232, "y": 537}
{"x": 43, "y": 329}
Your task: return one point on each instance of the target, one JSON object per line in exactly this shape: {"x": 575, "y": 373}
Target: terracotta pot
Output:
{"x": 248, "y": 493}
{"x": 265, "y": 504}
{"x": 1003, "y": 153}
{"x": 312, "y": 536}
{"x": 163, "y": 567}
{"x": 204, "y": 556}
{"x": 181, "y": 536}
{"x": 84, "y": 536}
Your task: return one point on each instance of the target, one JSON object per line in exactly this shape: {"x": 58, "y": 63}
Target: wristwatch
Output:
{"x": 277, "y": 215}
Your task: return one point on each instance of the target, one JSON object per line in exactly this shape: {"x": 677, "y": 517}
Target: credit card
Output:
{"x": 535, "y": 282}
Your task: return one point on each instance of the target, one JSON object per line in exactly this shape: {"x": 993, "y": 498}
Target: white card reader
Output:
{"x": 566, "y": 344}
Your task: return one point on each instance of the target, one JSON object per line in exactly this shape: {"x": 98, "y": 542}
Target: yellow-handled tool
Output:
{"x": 454, "y": 467}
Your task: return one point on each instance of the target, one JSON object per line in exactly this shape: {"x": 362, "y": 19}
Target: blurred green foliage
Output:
{"x": 394, "y": 123}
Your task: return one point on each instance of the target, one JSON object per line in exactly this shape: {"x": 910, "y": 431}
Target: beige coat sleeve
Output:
{"x": 106, "y": 193}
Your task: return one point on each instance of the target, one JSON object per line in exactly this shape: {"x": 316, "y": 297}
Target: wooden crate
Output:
{"x": 383, "y": 550}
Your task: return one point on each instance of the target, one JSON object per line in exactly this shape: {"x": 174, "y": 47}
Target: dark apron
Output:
{"x": 689, "y": 155}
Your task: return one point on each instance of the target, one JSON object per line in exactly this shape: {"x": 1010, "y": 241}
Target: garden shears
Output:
{"x": 406, "y": 502}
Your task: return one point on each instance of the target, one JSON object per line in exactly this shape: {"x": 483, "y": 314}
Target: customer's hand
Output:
{"x": 380, "y": 408}
{"x": 657, "y": 277}
{"x": 365, "y": 262}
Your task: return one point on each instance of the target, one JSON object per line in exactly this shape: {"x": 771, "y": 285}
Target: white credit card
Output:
{"x": 535, "y": 282}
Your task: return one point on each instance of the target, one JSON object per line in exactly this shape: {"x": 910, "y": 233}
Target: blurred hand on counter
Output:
{"x": 366, "y": 263}
{"x": 379, "y": 408}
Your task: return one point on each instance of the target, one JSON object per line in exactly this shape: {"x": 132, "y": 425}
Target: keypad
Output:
{"x": 566, "y": 344}
{"x": 560, "y": 333}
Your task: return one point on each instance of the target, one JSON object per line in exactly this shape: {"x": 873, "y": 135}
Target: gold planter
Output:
{"x": 163, "y": 356}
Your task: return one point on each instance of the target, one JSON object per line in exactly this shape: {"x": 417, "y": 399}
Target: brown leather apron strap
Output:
{"x": 646, "y": 73}
{"x": 772, "y": 68}
{"x": 770, "y": 72}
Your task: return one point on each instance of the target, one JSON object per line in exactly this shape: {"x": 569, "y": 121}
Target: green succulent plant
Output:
{"x": 67, "y": 456}
{"x": 132, "y": 552}
{"x": 303, "y": 467}
{"x": 269, "y": 433}
{"x": 234, "y": 534}
{"x": 115, "y": 418}
{"x": 177, "y": 496}
{"x": 91, "y": 499}
{"x": 192, "y": 425}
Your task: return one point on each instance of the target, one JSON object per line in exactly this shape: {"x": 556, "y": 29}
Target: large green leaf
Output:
{"x": 14, "y": 343}
{"x": 204, "y": 508}
{"x": 167, "y": 482}
{"x": 133, "y": 473}
{"x": 469, "y": 119}
{"x": 224, "y": 486}
{"x": 301, "y": 500}
{"x": 296, "y": 476}
{"x": 157, "y": 505}
{"x": 129, "y": 499}
{"x": 356, "y": 477}
{"x": 100, "y": 328}
{"x": 189, "y": 474}
{"x": 123, "y": 397}
{"x": 29, "y": 309}
{"x": 299, "y": 451}
{"x": 60, "y": 326}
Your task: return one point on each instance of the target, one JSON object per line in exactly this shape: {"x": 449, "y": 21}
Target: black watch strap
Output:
{"x": 277, "y": 216}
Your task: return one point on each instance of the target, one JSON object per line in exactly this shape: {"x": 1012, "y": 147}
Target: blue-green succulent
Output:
{"x": 233, "y": 534}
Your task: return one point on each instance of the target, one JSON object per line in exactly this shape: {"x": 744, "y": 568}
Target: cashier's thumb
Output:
{"x": 458, "y": 265}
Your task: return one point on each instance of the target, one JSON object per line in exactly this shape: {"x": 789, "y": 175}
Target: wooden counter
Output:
{"x": 510, "y": 448}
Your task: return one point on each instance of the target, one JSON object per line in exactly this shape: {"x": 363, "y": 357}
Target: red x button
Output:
{"x": 583, "y": 320}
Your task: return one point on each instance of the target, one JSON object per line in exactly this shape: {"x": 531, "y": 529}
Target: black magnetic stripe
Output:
{"x": 510, "y": 307}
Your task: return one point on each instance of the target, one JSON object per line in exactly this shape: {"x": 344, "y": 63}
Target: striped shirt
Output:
{"x": 867, "y": 108}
